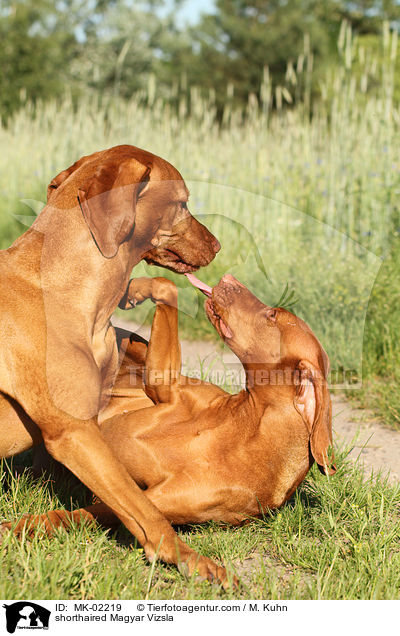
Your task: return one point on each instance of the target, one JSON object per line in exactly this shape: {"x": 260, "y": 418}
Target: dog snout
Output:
{"x": 204, "y": 243}
{"x": 223, "y": 292}
{"x": 228, "y": 279}
{"x": 215, "y": 244}
{"x": 209, "y": 239}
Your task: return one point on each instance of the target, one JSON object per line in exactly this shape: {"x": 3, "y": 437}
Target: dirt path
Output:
{"x": 376, "y": 446}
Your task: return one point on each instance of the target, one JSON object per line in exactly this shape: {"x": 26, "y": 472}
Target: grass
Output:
{"x": 382, "y": 345}
{"x": 336, "y": 539}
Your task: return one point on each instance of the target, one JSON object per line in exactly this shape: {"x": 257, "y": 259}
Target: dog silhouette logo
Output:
{"x": 26, "y": 615}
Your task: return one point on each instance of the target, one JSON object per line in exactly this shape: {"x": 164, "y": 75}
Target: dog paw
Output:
{"x": 4, "y": 529}
{"x": 208, "y": 570}
{"x": 14, "y": 527}
{"x": 164, "y": 291}
{"x": 158, "y": 289}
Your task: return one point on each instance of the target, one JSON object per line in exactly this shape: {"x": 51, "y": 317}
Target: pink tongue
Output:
{"x": 206, "y": 289}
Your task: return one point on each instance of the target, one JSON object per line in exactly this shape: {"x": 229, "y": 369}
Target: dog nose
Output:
{"x": 232, "y": 282}
{"x": 228, "y": 278}
{"x": 216, "y": 245}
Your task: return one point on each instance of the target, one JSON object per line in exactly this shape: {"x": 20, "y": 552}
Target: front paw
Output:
{"x": 139, "y": 290}
{"x": 159, "y": 290}
{"x": 164, "y": 291}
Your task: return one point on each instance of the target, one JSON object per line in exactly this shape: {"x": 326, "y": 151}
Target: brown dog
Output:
{"x": 201, "y": 453}
{"x": 59, "y": 284}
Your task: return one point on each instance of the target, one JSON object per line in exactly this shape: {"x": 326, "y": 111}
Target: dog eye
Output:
{"x": 271, "y": 314}
{"x": 184, "y": 205}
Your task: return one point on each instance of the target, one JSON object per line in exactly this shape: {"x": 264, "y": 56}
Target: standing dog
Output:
{"x": 59, "y": 284}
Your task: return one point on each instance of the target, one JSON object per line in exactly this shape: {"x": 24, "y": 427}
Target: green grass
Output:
{"x": 381, "y": 344}
{"x": 336, "y": 539}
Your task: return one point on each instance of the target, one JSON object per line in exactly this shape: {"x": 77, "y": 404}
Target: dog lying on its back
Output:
{"x": 203, "y": 454}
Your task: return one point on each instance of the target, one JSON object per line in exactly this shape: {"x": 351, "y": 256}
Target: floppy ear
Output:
{"x": 313, "y": 403}
{"x": 108, "y": 202}
{"x": 62, "y": 176}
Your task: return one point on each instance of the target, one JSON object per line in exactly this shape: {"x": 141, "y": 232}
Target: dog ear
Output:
{"x": 108, "y": 202}
{"x": 313, "y": 402}
{"x": 62, "y": 176}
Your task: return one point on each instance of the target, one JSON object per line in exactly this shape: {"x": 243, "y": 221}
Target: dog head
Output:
{"x": 273, "y": 339}
{"x": 129, "y": 194}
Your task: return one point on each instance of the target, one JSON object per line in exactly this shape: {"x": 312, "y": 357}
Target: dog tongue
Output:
{"x": 206, "y": 289}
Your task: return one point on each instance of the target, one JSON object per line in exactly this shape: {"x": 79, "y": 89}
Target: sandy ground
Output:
{"x": 374, "y": 446}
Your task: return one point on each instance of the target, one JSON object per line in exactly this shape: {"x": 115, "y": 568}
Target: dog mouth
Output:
{"x": 171, "y": 260}
{"x": 216, "y": 320}
{"x": 212, "y": 314}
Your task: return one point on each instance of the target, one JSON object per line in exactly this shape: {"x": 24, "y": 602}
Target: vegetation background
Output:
{"x": 296, "y": 102}
{"x": 284, "y": 118}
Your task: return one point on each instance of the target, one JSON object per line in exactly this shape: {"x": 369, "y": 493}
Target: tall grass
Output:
{"x": 311, "y": 188}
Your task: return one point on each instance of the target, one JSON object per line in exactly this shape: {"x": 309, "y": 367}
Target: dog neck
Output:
{"x": 268, "y": 383}
{"x": 94, "y": 284}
